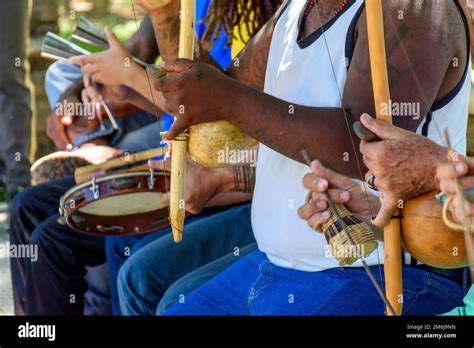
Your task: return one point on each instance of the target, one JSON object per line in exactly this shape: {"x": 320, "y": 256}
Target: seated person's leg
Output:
{"x": 56, "y": 284}
{"x": 30, "y": 208}
{"x": 97, "y": 298}
{"x": 225, "y": 294}
{"x": 148, "y": 273}
{"x": 117, "y": 250}
{"x": 348, "y": 291}
{"x": 193, "y": 280}
{"x": 275, "y": 290}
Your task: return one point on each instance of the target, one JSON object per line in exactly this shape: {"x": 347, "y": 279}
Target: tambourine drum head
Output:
{"x": 127, "y": 204}
{"x": 119, "y": 204}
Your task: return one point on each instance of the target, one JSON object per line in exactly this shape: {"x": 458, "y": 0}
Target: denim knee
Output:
{"x": 126, "y": 283}
{"x": 23, "y": 203}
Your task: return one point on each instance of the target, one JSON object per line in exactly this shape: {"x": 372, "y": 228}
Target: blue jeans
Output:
{"x": 193, "y": 280}
{"x": 149, "y": 272}
{"x": 255, "y": 286}
{"x": 119, "y": 248}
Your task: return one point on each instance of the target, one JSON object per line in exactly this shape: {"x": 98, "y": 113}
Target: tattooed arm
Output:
{"x": 143, "y": 44}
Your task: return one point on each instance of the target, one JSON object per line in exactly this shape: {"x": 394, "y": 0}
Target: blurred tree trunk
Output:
{"x": 44, "y": 18}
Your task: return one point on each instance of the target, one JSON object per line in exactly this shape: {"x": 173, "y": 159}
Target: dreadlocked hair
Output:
{"x": 225, "y": 15}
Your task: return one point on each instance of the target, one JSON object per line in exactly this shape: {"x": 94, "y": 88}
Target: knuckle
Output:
{"x": 305, "y": 211}
{"x": 378, "y": 156}
{"x": 168, "y": 107}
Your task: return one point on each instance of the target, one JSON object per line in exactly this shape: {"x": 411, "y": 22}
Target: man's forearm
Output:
{"x": 139, "y": 81}
{"x": 288, "y": 129}
{"x": 139, "y": 101}
{"x": 237, "y": 178}
{"x": 166, "y": 28}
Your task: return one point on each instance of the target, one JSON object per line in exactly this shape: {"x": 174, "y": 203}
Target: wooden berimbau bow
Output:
{"x": 392, "y": 232}
{"x": 179, "y": 145}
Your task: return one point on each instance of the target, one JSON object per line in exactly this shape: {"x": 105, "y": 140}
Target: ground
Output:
{"x": 6, "y": 303}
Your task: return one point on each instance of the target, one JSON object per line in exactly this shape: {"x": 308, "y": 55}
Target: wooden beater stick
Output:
{"x": 392, "y": 232}
{"x": 83, "y": 174}
{"x": 179, "y": 146}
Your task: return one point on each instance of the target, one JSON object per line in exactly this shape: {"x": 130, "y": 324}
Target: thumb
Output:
{"x": 176, "y": 129}
{"x": 176, "y": 66}
{"x": 335, "y": 179}
{"x": 78, "y": 60}
{"x": 470, "y": 165}
{"x": 388, "y": 208}
{"x": 111, "y": 37}
{"x": 382, "y": 129}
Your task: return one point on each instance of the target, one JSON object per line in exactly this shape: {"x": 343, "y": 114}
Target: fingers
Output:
{"x": 388, "y": 208}
{"x": 335, "y": 179}
{"x": 462, "y": 213}
{"x": 382, "y": 129}
{"x": 318, "y": 220}
{"x": 451, "y": 171}
{"x": 91, "y": 92}
{"x": 309, "y": 209}
{"x": 315, "y": 183}
{"x": 470, "y": 165}
{"x": 88, "y": 84}
{"x": 111, "y": 37}
{"x": 163, "y": 84}
{"x": 91, "y": 69}
{"x": 448, "y": 173}
{"x": 83, "y": 60}
{"x": 176, "y": 129}
{"x": 85, "y": 96}
{"x": 177, "y": 66}
{"x": 337, "y": 196}
{"x": 449, "y": 186}
{"x": 315, "y": 213}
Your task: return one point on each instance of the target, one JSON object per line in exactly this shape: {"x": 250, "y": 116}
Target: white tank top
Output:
{"x": 301, "y": 73}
